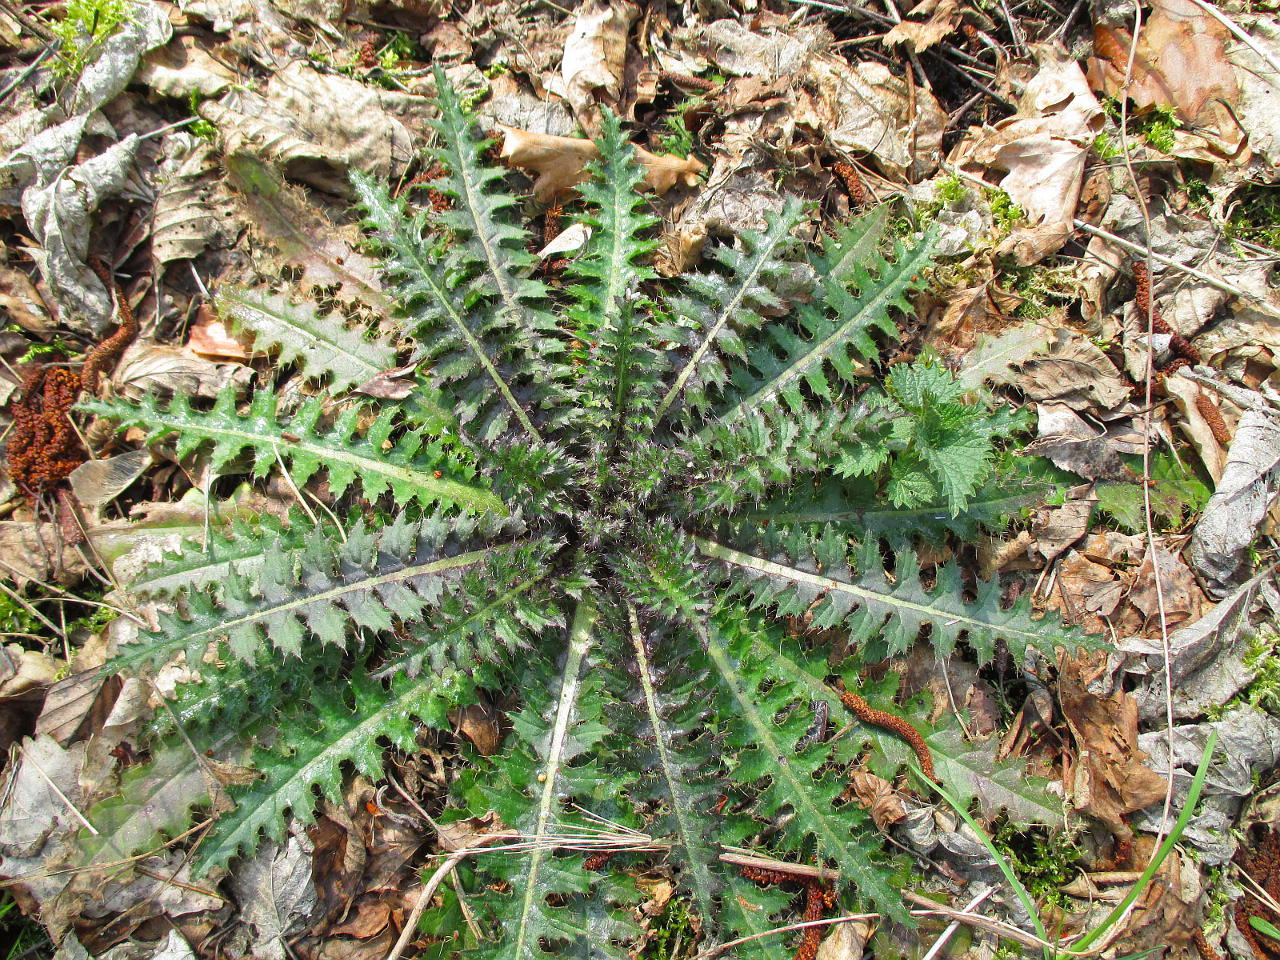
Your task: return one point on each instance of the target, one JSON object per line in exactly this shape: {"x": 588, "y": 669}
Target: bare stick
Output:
{"x": 1215, "y": 282}
{"x": 428, "y": 891}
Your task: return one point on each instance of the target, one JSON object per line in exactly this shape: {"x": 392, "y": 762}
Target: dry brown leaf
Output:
{"x": 1180, "y": 62}
{"x": 920, "y": 36}
{"x": 846, "y": 941}
{"x": 1056, "y": 529}
{"x": 1040, "y": 153}
{"x": 1109, "y": 778}
{"x": 1085, "y": 449}
{"x": 479, "y": 724}
{"x": 559, "y": 162}
{"x": 877, "y": 796}
{"x": 461, "y": 834}
{"x": 1186, "y": 397}
{"x": 595, "y": 54}
{"x": 1075, "y": 372}
{"x": 210, "y": 338}
{"x": 302, "y": 236}
{"x": 1183, "y": 600}
{"x": 21, "y": 302}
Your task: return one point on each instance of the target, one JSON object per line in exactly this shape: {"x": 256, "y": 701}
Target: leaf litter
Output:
{"x": 206, "y": 146}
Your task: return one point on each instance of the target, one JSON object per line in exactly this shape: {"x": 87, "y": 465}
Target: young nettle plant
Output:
{"x": 638, "y": 479}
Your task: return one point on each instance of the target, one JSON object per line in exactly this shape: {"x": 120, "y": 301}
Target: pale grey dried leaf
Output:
{"x": 1076, "y": 372}
{"x": 184, "y": 69}
{"x": 59, "y": 216}
{"x": 285, "y": 220}
{"x": 1248, "y": 744}
{"x": 156, "y": 369}
{"x": 275, "y": 893}
{"x": 42, "y": 154}
{"x": 37, "y": 551}
{"x": 1220, "y": 543}
{"x": 146, "y": 25}
{"x": 997, "y": 358}
{"x": 595, "y": 53}
{"x": 33, "y": 817}
{"x": 321, "y": 345}
{"x": 316, "y": 127}
{"x": 192, "y": 208}
{"x": 1072, "y": 444}
{"x": 768, "y": 54}
{"x": 98, "y": 482}
{"x": 1206, "y": 659}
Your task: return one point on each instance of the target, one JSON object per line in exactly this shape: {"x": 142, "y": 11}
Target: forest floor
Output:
{"x": 1103, "y": 181}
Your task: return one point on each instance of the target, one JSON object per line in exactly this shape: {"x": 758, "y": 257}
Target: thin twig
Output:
{"x": 1216, "y": 282}
{"x": 58, "y": 790}
{"x": 428, "y": 891}
{"x": 797, "y": 870}
{"x": 954, "y": 925}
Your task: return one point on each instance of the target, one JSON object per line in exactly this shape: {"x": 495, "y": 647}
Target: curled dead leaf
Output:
{"x": 559, "y": 162}
{"x": 877, "y": 796}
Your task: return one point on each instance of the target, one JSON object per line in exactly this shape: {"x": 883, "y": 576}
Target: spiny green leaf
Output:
{"x": 349, "y": 457}
{"x": 323, "y": 346}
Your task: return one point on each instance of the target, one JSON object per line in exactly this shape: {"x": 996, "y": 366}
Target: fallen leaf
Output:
{"x": 846, "y": 941}
{"x": 184, "y": 68}
{"x": 1206, "y": 659}
{"x": 1040, "y": 153}
{"x": 193, "y": 211}
{"x": 996, "y": 359}
{"x": 877, "y": 796}
{"x": 38, "y": 551}
{"x": 97, "y": 482}
{"x": 317, "y": 126}
{"x": 302, "y": 236}
{"x": 21, "y": 302}
{"x": 210, "y": 338}
{"x": 1187, "y": 396}
{"x": 1220, "y": 543}
{"x": 920, "y": 36}
{"x": 159, "y": 370}
{"x": 1057, "y": 529}
{"x": 1076, "y": 372}
{"x": 479, "y": 724}
{"x": 1109, "y": 778}
{"x": 275, "y": 894}
{"x": 559, "y": 162}
{"x": 595, "y": 53}
{"x": 1070, "y": 443}
{"x": 1179, "y": 62}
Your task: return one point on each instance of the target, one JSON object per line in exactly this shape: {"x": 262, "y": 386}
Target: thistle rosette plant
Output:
{"x": 615, "y": 496}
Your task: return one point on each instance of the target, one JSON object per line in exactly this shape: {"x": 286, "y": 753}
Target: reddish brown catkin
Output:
{"x": 1213, "y": 417}
{"x": 868, "y": 714}
{"x": 104, "y": 355}
{"x": 853, "y": 182}
{"x": 1179, "y": 345}
{"x": 764, "y": 876}
{"x": 1202, "y": 944}
{"x": 686, "y": 81}
{"x": 819, "y": 898}
{"x": 815, "y": 906}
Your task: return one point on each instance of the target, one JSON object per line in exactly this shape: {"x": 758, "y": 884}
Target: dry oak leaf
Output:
{"x": 921, "y": 36}
{"x": 559, "y": 162}
{"x": 1180, "y": 62}
{"x": 876, "y": 795}
{"x": 595, "y": 54}
{"x": 1109, "y": 778}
